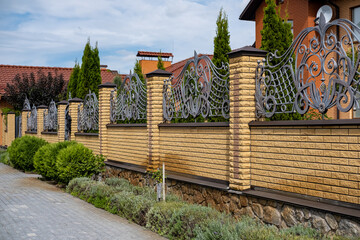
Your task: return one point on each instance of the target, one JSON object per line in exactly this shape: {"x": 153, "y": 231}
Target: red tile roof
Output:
{"x": 8, "y": 72}
{"x": 154, "y": 54}
{"x": 176, "y": 68}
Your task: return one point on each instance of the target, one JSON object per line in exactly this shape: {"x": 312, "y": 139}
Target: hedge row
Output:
{"x": 176, "y": 219}
{"x": 61, "y": 161}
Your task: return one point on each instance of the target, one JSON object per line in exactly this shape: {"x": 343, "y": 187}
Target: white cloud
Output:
{"x": 51, "y": 32}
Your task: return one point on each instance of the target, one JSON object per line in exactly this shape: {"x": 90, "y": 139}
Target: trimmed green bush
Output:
{"x": 45, "y": 159}
{"x": 22, "y": 151}
{"x": 77, "y": 161}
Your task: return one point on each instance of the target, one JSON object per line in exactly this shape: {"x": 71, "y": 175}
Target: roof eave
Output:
{"x": 249, "y": 12}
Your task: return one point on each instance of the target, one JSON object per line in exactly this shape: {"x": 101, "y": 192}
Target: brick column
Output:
{"x": 10, "y": 128}
{"x": 40, "y": 119}
{"x": 243, "y": 62}
{"x": 155, "y": 82}
{"x": 61, "y": 120}
{"x": 104, "y": 115}
{"x": 73, "y": 108}
{"x": 24, "y": 116}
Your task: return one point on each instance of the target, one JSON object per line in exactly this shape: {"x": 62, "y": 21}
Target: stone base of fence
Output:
{"x": 267, "y": 209}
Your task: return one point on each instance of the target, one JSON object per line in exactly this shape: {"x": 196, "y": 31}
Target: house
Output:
{"x": 148, "y": 60}
{"x": 302, "y": 14}
{"x": 8, "y": 72}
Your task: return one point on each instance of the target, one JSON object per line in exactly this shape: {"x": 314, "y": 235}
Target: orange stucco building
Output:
{"x": 148, "y": 60}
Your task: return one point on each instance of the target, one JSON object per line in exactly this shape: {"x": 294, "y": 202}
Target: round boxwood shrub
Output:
{"x": 77, "y": 161}
{"x": 22, "y": 151}
{"x": 45, "y": 159}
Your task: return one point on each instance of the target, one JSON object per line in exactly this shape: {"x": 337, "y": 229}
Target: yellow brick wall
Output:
{"x": 51, "y": 138}
{"x": 91, "y": 142}
{"x": 242, "y": 111}
{"x": 10, "y": 134}
{"x": 317, "y": 161}
{"x": 200, "y": 151}
{"x": 127, "y": 144}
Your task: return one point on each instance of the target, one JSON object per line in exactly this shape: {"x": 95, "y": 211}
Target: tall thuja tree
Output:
{"x": 90, "y": 75}
{"x": 160, "y": 64}
{"x": 73, "y": 82}
{"x": 138, "y": 71}
{"x": 276, "y": 35}
{"x": 221, "y": 40}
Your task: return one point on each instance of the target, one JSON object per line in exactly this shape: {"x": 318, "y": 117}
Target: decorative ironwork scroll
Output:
{"x": 88, "y": 113}
{"x": 200, "y": 89}
{"x": 26, "y": 106}
{"x": 67, "y": 123}
{"x": 32, "y": 120}
{"x": 50, "y": 117}
{"x": 320, "y": 70}
{"x": 20, "y": 126}
{"x": 130, "y": 101}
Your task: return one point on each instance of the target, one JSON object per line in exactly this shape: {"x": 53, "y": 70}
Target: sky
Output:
{"x": 54, "y": 33}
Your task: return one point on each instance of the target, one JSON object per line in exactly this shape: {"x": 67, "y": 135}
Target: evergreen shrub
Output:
{"x": 77, "y": 161}
{"x": 45, "y": 159}
{"x": 22, "y": 151}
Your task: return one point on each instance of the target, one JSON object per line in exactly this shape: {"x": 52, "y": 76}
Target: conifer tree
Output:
{"x": 138, "y": 70}
{"x": 221, "y": 40}
{"x": 276, "y": 35}
{"x": 89, "y": 76}
{"x": 73, "y": 82}
{"x": 160, "y": 64}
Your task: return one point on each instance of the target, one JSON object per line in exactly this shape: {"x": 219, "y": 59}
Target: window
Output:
{"x": 356, "y": 19}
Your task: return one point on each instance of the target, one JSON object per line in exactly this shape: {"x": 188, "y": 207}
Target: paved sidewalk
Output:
{"x": 32, "y": 209}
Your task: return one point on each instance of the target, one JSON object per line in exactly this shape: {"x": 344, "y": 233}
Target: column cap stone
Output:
{"x": 42, "y": 107}
{"x": 159, "y": 73}
{"x": 247, "y": 51}
{"x": 63, "y": 102}
{"x": 107, "y": 85}
{"x": 75, "y": 100}
{"x": 11, "y": 112}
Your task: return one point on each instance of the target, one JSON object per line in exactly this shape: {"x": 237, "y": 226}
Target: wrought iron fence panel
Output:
{"x": 200, "y": 89}
{"x": 88, "y": 113}
{"x": 50, "y": 117}
{"x": 129, "y": 101}
{"x": 67, "y": 123}
{"x": 320, "y": 70}
{"x": 32, "y": 119}
{"x": 20, "y": 127}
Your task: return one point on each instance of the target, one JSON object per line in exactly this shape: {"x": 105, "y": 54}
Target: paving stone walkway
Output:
{"x": 33, "y": 209}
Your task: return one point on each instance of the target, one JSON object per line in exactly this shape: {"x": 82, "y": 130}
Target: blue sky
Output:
{"x": 54, "y": 33}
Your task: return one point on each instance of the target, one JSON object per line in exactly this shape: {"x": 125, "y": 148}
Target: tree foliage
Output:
{"x": 221, "y": 40}
{"x": 138, "y": 71}
{"x": 118, "y": 81}
{"x": 73, "y": 82}
{"x": 87, "y": 76}
{"x": 90, "y": 75}
{"x": 276, "y": 36}
{"x": 40, "y": 89}
{"x": 160, "y": 64}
